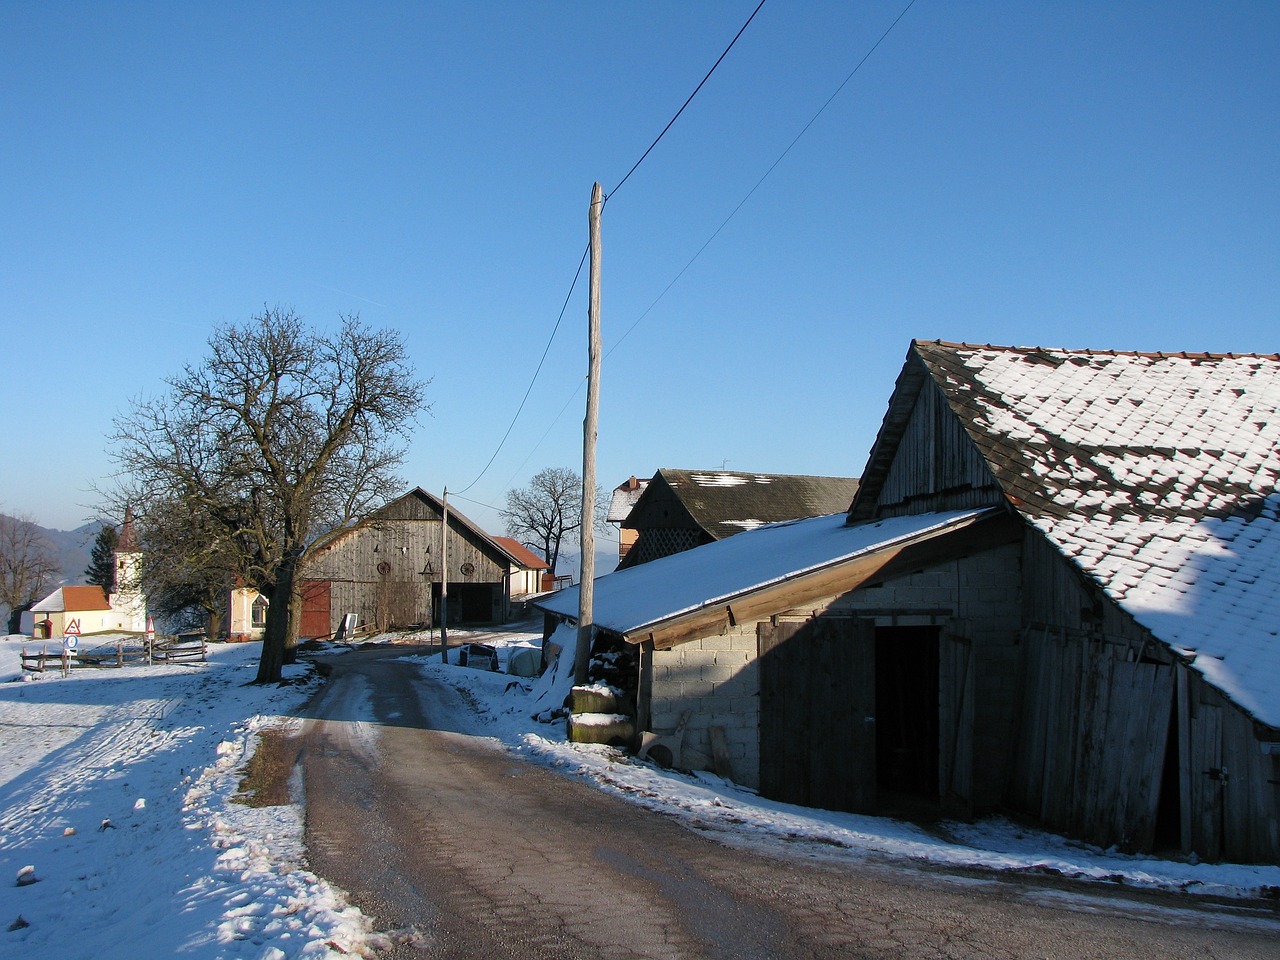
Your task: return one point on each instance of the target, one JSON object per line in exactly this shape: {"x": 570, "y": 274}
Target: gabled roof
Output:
{"x": 637, "y": 602}
{"x": 391, "y": 509}
{"x": 624, "y": 498}
{"x": 1157, "y": 473}
{"x": 523, "y": 556}
{"x": 71, "y": 599}
{"x": 724, "y": 502}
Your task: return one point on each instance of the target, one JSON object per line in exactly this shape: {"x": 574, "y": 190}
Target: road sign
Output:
{"x": 72, "y": 629}
{"x": 69, "y": 642}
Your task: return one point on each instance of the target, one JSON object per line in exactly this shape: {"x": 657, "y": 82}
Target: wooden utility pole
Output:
{"x": 586, "y": 530}
{"x": 444, "y": 581}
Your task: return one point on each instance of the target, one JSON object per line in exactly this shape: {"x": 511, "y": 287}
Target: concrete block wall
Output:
{"x": 716, "y": 679}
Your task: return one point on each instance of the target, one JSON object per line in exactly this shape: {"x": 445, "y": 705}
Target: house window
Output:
{"x": 258, "y": 612}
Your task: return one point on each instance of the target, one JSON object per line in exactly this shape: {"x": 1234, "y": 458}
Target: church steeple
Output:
{"x": 127, "y": 539}
{"x": 128, "y": 600}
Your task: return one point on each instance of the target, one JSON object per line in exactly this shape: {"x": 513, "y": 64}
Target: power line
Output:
{"x": 763, "y": 178}
{"x": 583, "y": 259}
{"x": 687, "y": 102}
{"x": 796, "y": 139}
{"x": 534, "y": 379}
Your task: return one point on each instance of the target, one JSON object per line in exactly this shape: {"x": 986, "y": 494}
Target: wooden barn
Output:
{"x": 1054, "y": 595}
{"x": 680, "y": 509}
{"x": 388, "y": 570}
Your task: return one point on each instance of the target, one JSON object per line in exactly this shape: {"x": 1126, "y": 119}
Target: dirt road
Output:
{"x": 470, "y": 852}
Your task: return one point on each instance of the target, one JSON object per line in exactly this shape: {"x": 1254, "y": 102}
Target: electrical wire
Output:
{"x": 578, "y": 273}
{"x": 725, "y": 222}
{"x": 534, "y": 379}
{"x": 763, "y": 178}
{"x": 686, "y": 103}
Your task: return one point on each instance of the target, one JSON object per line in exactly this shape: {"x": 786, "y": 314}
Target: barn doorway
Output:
{"x": 907, "y": 711}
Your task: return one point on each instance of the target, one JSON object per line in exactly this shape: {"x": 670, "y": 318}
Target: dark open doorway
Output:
{"x": 907, "y": 710}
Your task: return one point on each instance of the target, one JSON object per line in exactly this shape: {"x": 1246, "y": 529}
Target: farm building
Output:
{"x": 388, "y": 570}
{"x": 1054, "y": 595}
{"x": 681, "y": 509}
{"x": 623, "y": 499}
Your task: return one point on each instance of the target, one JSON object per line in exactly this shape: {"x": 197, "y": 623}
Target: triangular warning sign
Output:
{"x": 72, "y": 629}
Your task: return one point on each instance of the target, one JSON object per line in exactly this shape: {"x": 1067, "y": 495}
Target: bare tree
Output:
{"x": 28, "y": 563}
{"x": 278, "y": 436}
{"x": 543, "y": 513}
{"x": 188, "y": 567}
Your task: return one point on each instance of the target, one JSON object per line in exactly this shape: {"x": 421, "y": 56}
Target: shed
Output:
{"x": 1076, "y": 623}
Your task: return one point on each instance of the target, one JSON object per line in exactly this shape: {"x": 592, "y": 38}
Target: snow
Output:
{"x": 715, "y": 573}
{"x": 117, "y": 809}
{"x": 733, "y": 814}
{"x": 115, "y": 789}
{"x": 1169, "y": 469}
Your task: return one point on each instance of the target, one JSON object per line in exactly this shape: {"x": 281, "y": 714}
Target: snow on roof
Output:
{"x": 625, "y": 496}
{"x": 70, "y": 599}
{"x": 714, "y": 573}
{"x": 724, "y": 502}
{"x": 1159, "y": 474}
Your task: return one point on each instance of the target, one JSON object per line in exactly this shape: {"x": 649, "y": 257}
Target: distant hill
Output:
{"x": 73, "y": 548}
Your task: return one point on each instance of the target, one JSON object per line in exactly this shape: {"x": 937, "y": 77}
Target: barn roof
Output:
{"x": 715, "y": 574}
{"x": 1157, "y": 473}
{"x": 70, "y": 599}
{"x": 724, "y": 502}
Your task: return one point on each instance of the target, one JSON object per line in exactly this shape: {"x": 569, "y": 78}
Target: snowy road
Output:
{"x": 465, "y": 850}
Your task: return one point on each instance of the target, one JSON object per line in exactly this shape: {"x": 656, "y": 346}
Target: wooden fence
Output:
{"x": 185, "y": 647}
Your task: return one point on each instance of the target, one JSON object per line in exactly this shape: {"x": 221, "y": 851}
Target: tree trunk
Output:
{"x": 281, "y": 621}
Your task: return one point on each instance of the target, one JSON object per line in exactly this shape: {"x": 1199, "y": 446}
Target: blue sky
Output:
{"x": 1086, "y": 175}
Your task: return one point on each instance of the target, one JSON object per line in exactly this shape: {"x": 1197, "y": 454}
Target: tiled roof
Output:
{"x": 71, "y": 599}
{"x": 1159, "y": 474}
{"x": 520, "y": 553}
{"x": 724, "y": 502}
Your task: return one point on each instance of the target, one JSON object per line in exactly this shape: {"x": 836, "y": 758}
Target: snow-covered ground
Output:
{"x": 117, "y": 787}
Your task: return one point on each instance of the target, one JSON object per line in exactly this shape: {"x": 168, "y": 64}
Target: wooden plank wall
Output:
{"x": 1234, "y": 781}
{"x": 956, "y": 673}
{"x": 936, "y": 466}
{"x": 1098, "y": 698}
{"x": 817, "y": 689}
{"x": 380, "y": 571}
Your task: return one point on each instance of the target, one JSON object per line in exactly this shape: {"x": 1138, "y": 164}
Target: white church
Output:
{"x": 83, "y": 609}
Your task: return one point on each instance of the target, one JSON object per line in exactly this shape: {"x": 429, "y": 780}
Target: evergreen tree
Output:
{"x": 102, "y": 560}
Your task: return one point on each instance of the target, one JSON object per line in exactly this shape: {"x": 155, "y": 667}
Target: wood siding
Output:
{"x": 1101, "y": 697}
{"x": 936, "y": 465}
{"x": 817, "y": 712}
{"x": 388, "y": 570}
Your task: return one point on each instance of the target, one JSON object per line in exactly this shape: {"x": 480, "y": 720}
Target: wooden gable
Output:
{"x": 923, "y": 460}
